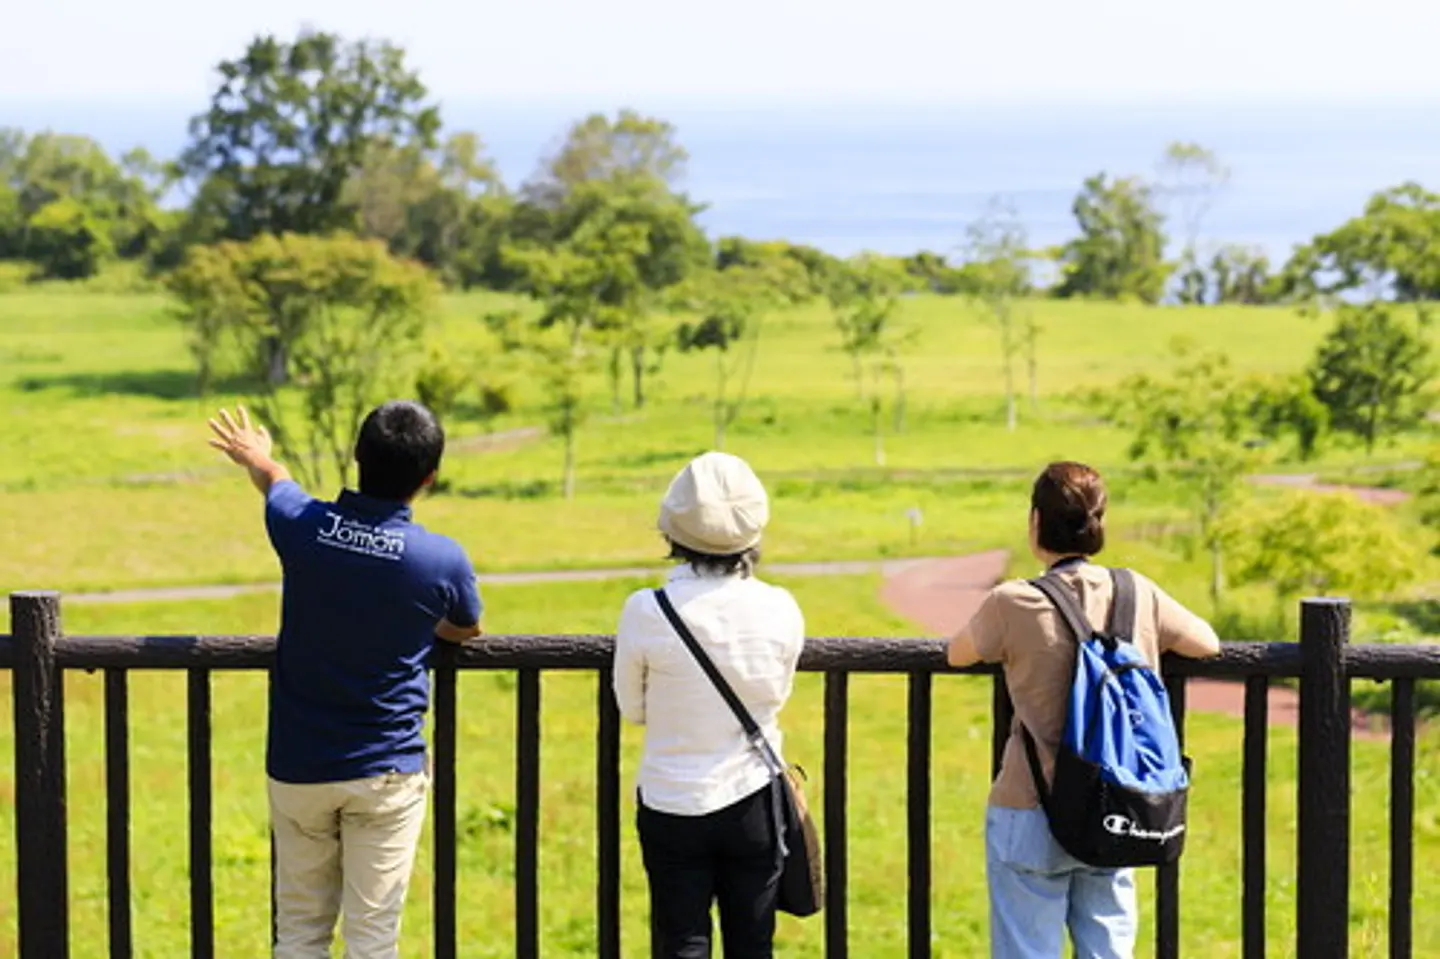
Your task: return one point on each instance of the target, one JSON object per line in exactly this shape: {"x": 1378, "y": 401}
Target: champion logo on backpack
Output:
{"x": 1118, "y": 795}
{"x": 1118, "y": 825}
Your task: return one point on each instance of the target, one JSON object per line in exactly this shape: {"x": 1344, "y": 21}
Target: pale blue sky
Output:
{"x": 956, "y": 51}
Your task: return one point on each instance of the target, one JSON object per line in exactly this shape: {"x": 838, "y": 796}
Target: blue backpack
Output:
{"x": 1119, "y": 793}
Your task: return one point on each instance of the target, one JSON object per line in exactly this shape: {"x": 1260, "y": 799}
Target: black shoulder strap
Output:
{"x": 747, "y": 722}
{"x": 1121, "y": 624}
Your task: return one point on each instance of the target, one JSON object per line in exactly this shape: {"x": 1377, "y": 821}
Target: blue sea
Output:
{"x": 898, "y": 179}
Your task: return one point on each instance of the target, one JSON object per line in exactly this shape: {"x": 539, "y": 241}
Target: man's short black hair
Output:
{"x": 400, "y": 444}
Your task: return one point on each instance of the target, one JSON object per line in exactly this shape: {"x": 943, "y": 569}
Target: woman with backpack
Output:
{"x": 710, "y": 807}
{"x": 1038, "y": 886}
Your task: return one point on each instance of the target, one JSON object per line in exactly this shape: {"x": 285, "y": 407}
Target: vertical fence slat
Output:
{"x": 117, "y": 812}
{"x": 917, "y": 810}
{"x": 1252, "y": 814}
{"x": 1323, "y": 785}
{"x": 43, "y": 911}
{"x": 837, "y": 720}
{"x": 1002, "y": 713}
{"x": 1402, "y": 815}
{"x": 202, "y": 887}
{"x": 527, "y": 814}
{"x": 1167, "y": 878}
{"x": 274, "y": 917}
{"x": 607, "y": 818}
{"x": 443, "y": 770}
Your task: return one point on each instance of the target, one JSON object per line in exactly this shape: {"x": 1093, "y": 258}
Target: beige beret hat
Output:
{"x": 715, "y": 505}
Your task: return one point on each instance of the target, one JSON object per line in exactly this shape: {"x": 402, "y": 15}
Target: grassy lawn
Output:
{"x": 109, "y": 485}
{"x": 106, "y": 435}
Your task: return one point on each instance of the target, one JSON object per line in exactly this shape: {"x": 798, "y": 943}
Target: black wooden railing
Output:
{"x": 38, "y": 652}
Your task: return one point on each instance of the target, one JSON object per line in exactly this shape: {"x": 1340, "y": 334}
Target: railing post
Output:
{"x": 1323, "y": 799}
{"x": 40, "y": 841}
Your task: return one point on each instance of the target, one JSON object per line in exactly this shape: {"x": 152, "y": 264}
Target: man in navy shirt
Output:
{"x": 366, "y": 594}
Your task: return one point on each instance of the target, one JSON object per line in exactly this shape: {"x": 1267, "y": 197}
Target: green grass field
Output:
{"x": 109, "y": 485}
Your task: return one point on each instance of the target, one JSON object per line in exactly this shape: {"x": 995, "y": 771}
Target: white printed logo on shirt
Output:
{"x": 358, "y": 537}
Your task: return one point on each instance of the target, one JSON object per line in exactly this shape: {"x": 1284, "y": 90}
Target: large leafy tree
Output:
{"x": 1392, "y": 250}
{"x": 596, "y": 279}
{"x": 626, "y": 169}
{"x": 1120, "y": 252}
{"x": 629, "y": 146}
{"x": 353, "y": 318}
{"x": 1196, "y": 427}
{"x": 730, "y": 307}
{"x": 447, "y": 207}
{"x": 291, "y": 124}
{"x": 67, "y": 204}
{"x": 1373, "y": 371}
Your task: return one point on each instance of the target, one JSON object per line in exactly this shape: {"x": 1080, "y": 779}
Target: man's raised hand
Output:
{"x": 245, "y": 443}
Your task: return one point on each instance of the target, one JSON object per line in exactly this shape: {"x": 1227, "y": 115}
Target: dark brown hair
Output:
{"x": 1070, "y": 500}
{"x": 731, "y": 564}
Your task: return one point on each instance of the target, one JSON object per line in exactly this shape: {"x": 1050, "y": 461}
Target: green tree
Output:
{"x": 1287, "y": 405}
{"x": 66, "y": 242}
{"x": 1195, "y": 428}
{"x": 817, "y": 268}
{"x": 1427, "y": 492}
{"x": 1241, "y": 275}
{"x": 1120, "y": 253}
{"x": 595, "y": 284}
{"x": 731, "y": 306}
{"x": 624, "y": 169}
{"x": 1372, "y": 371}
{"x": 289, "y": 127}
{"x": 597, "y": 148}
{"x": 1319, "y": 543}
{"x": 447, "y": 208}
{"x": 117, "y": 201}
{"x": 354, "y": 317}
{"x": 1392, "y": 250}
{"x": 999, "y": 274}
{"x": 865, "y": 301}
{"x": 1191, "y": 179}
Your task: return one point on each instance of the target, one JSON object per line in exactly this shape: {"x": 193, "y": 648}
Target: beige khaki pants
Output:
{"x": 344, "y": 849}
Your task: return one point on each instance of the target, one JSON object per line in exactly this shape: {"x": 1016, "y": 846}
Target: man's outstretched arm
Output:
{"x": 247, "y": 445}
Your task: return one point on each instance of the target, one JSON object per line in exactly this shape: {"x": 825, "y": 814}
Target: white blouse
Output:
{"x": 696, "y": 759}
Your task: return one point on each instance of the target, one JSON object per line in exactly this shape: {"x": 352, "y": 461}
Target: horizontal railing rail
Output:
{"x": 1321, "y": 664}
{"x": 1237, "y": 660}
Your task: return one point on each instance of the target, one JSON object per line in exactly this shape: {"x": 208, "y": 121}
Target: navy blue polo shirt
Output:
{"x": 364, "y": 590}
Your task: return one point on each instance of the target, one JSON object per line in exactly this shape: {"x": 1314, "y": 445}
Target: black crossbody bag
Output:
{"x": 802, "y": 881}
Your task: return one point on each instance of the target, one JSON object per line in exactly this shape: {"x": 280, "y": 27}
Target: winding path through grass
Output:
{"x": 939, "y": 594}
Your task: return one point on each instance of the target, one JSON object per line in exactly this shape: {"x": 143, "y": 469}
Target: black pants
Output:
{"x": 728, "y": 857}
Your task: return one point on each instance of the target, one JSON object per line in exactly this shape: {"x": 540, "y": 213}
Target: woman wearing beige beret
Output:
{"x": 707, "y": 813}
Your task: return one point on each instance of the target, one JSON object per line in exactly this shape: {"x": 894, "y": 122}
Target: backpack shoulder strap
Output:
{"x": 1121, "y": 624}
{"x": 1070, "y": 610}
{"x": 1065, "y": 602}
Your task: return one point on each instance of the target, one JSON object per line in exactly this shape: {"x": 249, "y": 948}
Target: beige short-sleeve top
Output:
{"x": 1019, "y": 628}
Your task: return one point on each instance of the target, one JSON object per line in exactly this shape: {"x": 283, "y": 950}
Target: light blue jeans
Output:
{"x": 1037, "y": 890}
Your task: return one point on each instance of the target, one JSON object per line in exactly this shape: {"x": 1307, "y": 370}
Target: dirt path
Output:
{"x": 166, "y": 594}
{"x": 1310, "y": 481}
{"x": 940, "y": 595}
